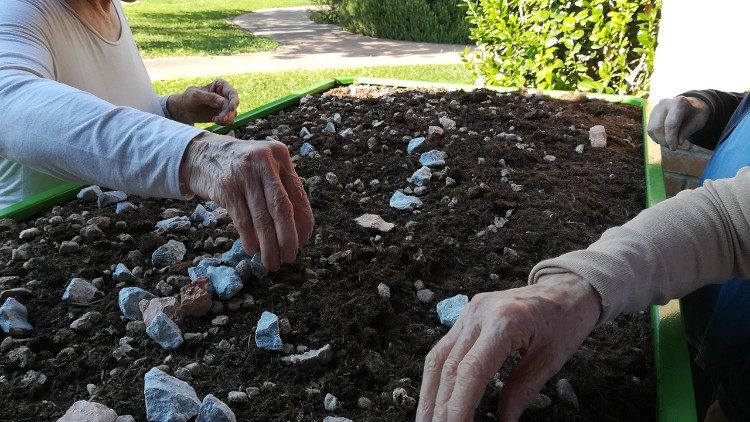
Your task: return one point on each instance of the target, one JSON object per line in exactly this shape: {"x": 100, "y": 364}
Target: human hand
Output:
{"x": 216, "y": 102}
{"x": 257, "y": 184}
{"x": 546, "y": 322}
{"x": 676, "y": 119}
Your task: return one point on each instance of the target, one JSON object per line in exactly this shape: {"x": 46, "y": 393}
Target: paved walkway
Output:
{"x": 304, "y": 45}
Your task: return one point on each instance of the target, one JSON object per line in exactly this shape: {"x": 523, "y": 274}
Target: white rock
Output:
{"x": 331, "y": 403}
{"x": 374, "y": 222}
{"x": 384, "y": 291}
{"x": 83, "y": 410}
{"x": 566, "y": 393}
{"x": 579, "y": 149}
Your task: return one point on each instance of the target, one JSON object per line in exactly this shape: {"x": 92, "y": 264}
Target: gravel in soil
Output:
{"x": 495, "y": 171}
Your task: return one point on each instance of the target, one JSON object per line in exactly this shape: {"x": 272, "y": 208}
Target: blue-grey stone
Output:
{"x": 416, "y": 145}
{"x": 174, "y": 224}
{"x": 267, "y": 334}
{"x": 106, "y": 199}
{"x": 210, "y": 262}
{"x": 13, "y": 318}
{"x": 212, "y": 205}
{"x": 450, "y": 309}
{"x": 225, "y": 280}
{"x": 422, "y": 176}
{"x": 204, "y": 216}
{"x": 169, "y": 254}
{"x": 256, "y": 264}
{"x": 168, "y": 399}
{"x": 129, "y": 299}
{"x": 197, "y": 272}
{"x": 164, "y": 331}
{"x": 79, "y": 291}
{"x": 123, "y": 275}
{"x": 432, "y": 158}
{"x": 124, "y": 207}
{"x": 210, "y": 221}
{"x": 234, "y": 255}
{"x": 89, "y": 194}
{"x": 214, "y": 410}
{"x": 306, "y": 149}
{"x": 403, "y": 202}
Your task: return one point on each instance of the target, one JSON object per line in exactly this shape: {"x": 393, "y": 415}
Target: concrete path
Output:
{"x": 304, "y": 45}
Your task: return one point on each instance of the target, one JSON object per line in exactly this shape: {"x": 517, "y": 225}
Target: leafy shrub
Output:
{"x": 593, "y": 45}
{"x": 440, "y": 21}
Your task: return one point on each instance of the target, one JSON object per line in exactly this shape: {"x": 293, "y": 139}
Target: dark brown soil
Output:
{"x": 379, "y": 344}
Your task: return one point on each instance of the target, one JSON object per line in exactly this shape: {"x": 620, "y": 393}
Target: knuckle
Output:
{"x": 471, "y": 366}
{"x": 450, "y": 367}
{"x": 264, "y": 223}
{"x": 433, "y": 361}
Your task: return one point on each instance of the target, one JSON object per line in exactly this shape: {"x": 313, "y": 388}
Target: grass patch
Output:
{"x": 197, "y": 27}
{"x": 256, "y": 89}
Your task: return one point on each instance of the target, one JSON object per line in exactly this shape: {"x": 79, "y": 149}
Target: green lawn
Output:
{"x": 197, "y": 27}
{"x": 259, "y": 88}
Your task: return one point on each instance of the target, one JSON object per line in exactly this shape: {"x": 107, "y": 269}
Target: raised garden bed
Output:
{"x": 378, "y": 343}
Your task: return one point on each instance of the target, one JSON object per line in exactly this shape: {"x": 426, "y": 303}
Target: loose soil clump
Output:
{"x": 510, "y": 157}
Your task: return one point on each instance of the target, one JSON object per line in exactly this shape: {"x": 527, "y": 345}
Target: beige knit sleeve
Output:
{"x": 697, "y": 238}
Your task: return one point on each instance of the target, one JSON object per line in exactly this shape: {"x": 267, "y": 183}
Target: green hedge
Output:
{"x": 593, "y": 45}
{"x": 439, "y": 21}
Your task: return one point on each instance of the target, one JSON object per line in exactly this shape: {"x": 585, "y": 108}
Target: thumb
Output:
{"x": 525, "y": 382}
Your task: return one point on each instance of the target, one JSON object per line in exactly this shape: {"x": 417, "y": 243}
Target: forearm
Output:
{"x": 75, "y": 136}
{"x": 722, "y": 106}
{"x": 694, "y": 239}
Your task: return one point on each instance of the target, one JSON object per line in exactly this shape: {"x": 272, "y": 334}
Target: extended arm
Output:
{"x": 667, "y": 251}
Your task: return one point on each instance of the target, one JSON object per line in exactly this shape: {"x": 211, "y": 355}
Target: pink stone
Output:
{"x": 375, "y": 222}
{"x": 196, "y": 297}
{"x": 169, "y": 305}
{"x": 598, "y": 136}
{"x": 435, "y": 132}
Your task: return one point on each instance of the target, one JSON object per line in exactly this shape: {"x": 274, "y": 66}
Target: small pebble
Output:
{"x": 331, "y": 403}
{"x": 384, "y": 291}
{"x": 565, "y": 392}
{"x": 425, "y": 295}
{"x": 237, "y": 397}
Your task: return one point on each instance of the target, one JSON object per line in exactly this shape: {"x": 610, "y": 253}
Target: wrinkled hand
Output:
{"x": 675, "y": 120}
{"x": 545, "y": 322}
{"x": 216, "y": 102}
{"x": 257, "y": 184}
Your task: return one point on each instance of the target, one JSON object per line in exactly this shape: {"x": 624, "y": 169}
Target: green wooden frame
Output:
{"x": 676, "y": 401}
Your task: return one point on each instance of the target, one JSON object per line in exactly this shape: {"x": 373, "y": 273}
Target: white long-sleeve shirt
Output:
{"x": 77, "y": 107}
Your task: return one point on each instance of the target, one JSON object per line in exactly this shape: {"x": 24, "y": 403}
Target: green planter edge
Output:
{"x": 675, "y": 396}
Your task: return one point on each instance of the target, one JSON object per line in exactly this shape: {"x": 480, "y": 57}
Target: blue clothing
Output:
{"x": 717, "y": 317}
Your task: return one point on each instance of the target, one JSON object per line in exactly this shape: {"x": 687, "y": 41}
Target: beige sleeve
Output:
{"x": 697, "y": 238}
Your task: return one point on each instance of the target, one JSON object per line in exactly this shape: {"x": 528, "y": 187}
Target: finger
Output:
{"x": 477, "y": 367}
{"x": 433, "y": 367}
{"x": 303, "y": 215}
{"x": 672, "y": 125}
{"x": 448, "y": 376}
{"x": 243, "y": 221}
{"x": 226, "y": 90}
{"x": 280, "y": 208}
{"x": 265, "y": 228}
{"x": 208, "y": 98}
{"x": 656, "y": 123}
{"x": 526, "y": 380}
